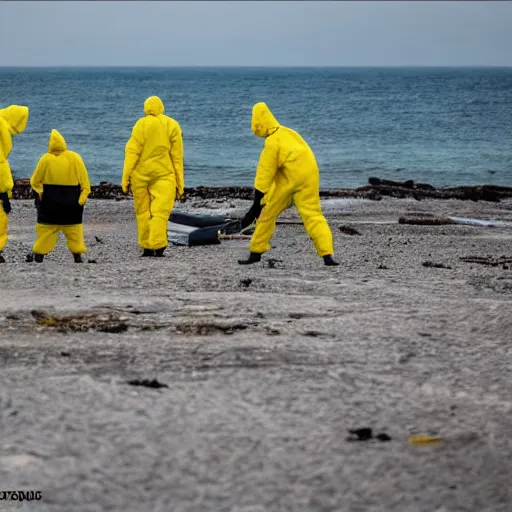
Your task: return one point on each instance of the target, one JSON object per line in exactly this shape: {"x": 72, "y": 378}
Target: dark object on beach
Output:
{"x": 365, "y": 434}
{"x": 29, "y": 258}
{"x": 193, "y": 230}
{"x": 419, "y": 191}
{"x": 425, "y": 221}
{"x": 98, "y": 239}
{"x": 377, "y": 182}
{"x": 92, "y": 261}
{"x": 430, "y": 264}
{"x": 382, "y": 267}
{"x": 361, "y": 434}
{"x": 245, "y": 282}
{"x": 197, "y": 221}
{"x": 272, "y": 262}
{"x": 348, "y": 230}
{"x": 153, "y": 384}
{"x": 65, "y": 354}
{"x": 204, "y": 236}
{"x": 487, "y": 260}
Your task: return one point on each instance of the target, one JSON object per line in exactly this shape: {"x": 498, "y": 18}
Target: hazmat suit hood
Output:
{"x": 56, "y": 144}
{"x": 16, "y": 117}
{"x": 263, "y": 121}
{"x": 153, "y": 106}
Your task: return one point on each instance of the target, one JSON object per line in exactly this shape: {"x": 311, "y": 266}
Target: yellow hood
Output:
{"x": 16, "y": 117}
{"x": 153, "y": 106}
{"x": 263, "y": 121}
{"x": 57, "y": 144}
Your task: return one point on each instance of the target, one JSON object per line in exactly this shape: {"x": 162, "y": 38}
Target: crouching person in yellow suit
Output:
{"x": 287, "y": 174}
{"x": 153, "y": 169}
{"x": 61, "y": 185}
{"x": 13, "y": 120}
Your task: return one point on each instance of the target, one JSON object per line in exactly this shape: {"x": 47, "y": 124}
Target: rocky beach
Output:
{"x": 191, "y": 383}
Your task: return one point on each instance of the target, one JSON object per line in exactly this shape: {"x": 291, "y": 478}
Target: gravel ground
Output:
{"x": 267, "y": 367}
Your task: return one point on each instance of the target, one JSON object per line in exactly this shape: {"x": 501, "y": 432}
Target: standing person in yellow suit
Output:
{"x": 287, "y": 173}
{"x": 61, "y": 185}
{"x": 13, "y": 120}
{"x": 153, "y": 169}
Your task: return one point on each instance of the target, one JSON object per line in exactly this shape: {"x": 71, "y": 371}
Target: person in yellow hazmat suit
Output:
{"x": 61, "y": 186}
{"x": 287, "y": 174}
{"x": 153, "y": 169}
{"x": 13, "y": 120}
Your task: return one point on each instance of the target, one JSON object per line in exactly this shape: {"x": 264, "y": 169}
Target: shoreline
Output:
{"x": 267, "y": 367}
{"x": 375, "y": 190}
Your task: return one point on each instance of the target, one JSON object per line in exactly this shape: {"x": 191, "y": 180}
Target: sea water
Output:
{"x": 441, "y": 126}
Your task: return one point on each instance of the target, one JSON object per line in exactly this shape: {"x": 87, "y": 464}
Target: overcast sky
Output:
{"x": 255, "y": 33}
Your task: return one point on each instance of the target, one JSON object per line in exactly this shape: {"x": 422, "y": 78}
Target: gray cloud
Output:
{"x": 255, "y": 33}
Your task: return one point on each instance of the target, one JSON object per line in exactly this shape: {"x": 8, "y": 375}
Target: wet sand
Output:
{"x": 267, "y": 367}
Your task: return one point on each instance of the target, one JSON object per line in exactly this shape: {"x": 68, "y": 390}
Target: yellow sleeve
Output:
{"x": 132, "y": 153}
{"x": 83, "y": 180}
{"x": 267, "y": 166}
{"x": 6, "y": 182}
{"x": 36, "y": 181}
{"x": 177, "y": 157}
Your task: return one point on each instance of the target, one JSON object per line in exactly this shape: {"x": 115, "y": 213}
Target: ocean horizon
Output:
{"x": 446, "y": 126}
{"x": 192, "y": 66}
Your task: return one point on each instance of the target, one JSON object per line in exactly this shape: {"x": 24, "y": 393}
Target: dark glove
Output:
{"x": 254, "y": 210}
{"x": 36, "y": 198}
{"x": 248, "y": 219}
{"x": 6, "y": 204}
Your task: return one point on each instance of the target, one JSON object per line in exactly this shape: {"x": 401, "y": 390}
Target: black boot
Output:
{"x": 254, "y": 257}
{"x": 29, "y": 258}
{"x": 160, "y": 252}
{"x": 2, "y": 259}
{"x": 77, "y": 257}
{"x": 147, "y": 253}
{"x": 38, "y": 258}
{"x": 329, "y": 261}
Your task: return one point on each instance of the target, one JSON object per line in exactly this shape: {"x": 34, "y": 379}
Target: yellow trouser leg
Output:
{"x": 266, "y": 224}
{"x": 4, "y": 220}
{"x": 308, "y": 204}
{"x": 47, "y": 238}
{"x": 163, "y": 194}
{"x": 75, "y": 238}
{"x": 141, "y": 202}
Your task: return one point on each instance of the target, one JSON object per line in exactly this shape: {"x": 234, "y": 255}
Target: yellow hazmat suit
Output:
{"x": 13, "y": 120}
{"x": 153, "y": 168}
{"x": 287, "y": 173}
{"x": 62, "y": 186}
